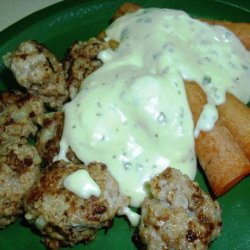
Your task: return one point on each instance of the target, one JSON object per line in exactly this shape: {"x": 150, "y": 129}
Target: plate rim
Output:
{"x": 57, "y": 8}
{"x": 61, "y": 6}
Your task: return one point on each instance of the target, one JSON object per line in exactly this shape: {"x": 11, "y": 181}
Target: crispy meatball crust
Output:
{"x": 63, "y": 217}
{"x": 179, "y": 215}
{"x": 48, "y": 138}
{"x": 37, "y": 69}
{"x": 19, "y": 114}
{"x": 19, "y": 169}
{"x": 81, "y": 61}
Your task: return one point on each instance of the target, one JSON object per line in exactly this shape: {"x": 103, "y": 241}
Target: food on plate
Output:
{"x": 179, "y": 215}
{"x": 19, "y": 114}
{"x": 140, "y": 122}
{"x": 221, "y": 158}
{"x": 234, "y": 113}
{"x": 38, "y": 70}
{"x": 154, "y": 91}
{"x": 65, "y": 218}
{"x": 19, "y": 161}
{"x": 125, "y": 9}
{"x": 19, "y": 169}
{"x": 241, "y": 30}
{"x": 49, "y": 136}
{"x": 80, "y": 61}
{"x": 219, "y": 154}
{"x": 236, "y": 117}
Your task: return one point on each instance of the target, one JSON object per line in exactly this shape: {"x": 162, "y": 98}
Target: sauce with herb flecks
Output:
{"x": 132, "y": 113}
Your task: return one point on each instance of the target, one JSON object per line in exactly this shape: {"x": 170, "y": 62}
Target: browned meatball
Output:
{"x": 81, "y": 61}
{"x": 63, "y": 217}
{"x": 37, "y": 69}
{"x": 48, "y": 138}
{"x": 19, "y": 114}
{"x": 179, "y": 215}
{"x": 19, "y": 169}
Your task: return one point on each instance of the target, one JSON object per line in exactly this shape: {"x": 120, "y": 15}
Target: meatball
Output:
{"x": 65, "y": 218}
{"x": 19, "y": 114}
{"x": 179, "y": 215}
{"x": 19, "y": 169}
{"x": 48, "y": 138}
{"x": 81, "y": 61}
{"x": 37, "y": 69}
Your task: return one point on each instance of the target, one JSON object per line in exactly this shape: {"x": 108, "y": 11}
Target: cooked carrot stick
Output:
{"x": 196, "y": 98}
{"x": 125, "y": 9}
{"x": 236, "y": 117}
{"x": 221, "y": 158}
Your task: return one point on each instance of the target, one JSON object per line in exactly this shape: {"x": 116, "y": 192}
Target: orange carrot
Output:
{"x": 236, "y": 117}
{"x": 125, "y": 9}
{"x": 220, "y": 156}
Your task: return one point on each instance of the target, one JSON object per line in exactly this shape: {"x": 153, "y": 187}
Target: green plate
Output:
{"x": 58, "y": 27}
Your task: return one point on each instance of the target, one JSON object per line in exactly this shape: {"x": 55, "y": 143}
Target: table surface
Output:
{"x": 12, "y": 11}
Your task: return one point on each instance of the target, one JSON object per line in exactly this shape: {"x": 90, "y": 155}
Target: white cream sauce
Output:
{"x": 132, "y": 113}
{"x": 81, "y": 184}
{"x": 132, "y": 216}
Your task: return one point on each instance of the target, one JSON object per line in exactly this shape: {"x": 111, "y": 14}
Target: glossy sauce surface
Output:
{"x": 132, "y": 113}
{"x": 81, "y": 184}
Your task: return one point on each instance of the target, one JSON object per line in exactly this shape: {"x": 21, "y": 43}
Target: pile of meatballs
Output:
{"x": 178, "y": 215}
